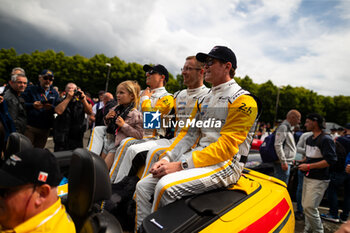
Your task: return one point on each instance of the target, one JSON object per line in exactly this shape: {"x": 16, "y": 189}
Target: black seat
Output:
{"x": 16, "y": 142}
{"x": 88, "y": 187}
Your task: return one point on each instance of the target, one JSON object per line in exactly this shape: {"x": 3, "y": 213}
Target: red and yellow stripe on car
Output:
{"x": 268, "y": 209}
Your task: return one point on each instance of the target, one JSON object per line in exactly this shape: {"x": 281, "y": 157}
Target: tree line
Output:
{"x": 91, "y": 74}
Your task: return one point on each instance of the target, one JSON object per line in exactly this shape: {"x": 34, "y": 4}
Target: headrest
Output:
{"x": 88, "y": 182}
{"x": 17, "y": 142}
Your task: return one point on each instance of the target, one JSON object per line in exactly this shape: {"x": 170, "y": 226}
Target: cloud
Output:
{"x": 301, "y": 43}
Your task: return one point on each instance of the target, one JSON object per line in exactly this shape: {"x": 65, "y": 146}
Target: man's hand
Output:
{"x": 70, "y": 94}
{"x": 345, "y": 228}
{"x": 157, "y": 164}
{"x": 111, "y": 114}
{"x": 303, "y": 167}
{"x": 82, "y": 96}
{"x": 347, "y": 169}
{"x": 92, "y": 118}
{"x": 38, "y": 105}
{"x": 147, "y": 92}
{"x": 1, "y": 99}
{"x": 284, "y": 166}
{"x": 166, "y": 168}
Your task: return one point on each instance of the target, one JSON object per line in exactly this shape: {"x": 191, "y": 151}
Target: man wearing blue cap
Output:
{"x": 40, "y": 103}
{"x": 28, "y": 194}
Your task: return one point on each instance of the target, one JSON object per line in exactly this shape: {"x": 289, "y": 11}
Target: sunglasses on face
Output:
{"x": 190, "y": 68}
{"x": 48, "y": 78}
{"x": 152, "y": 72}
{"x": 212, "y": 61}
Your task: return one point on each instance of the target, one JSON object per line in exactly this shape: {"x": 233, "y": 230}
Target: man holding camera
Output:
{"x": 70, "y": 124}
{"x": 40, "y": 103}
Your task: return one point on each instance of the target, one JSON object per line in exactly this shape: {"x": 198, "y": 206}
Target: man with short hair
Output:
{"x": 28, "y": 194}
{"x": 218, "y": 158}
{"x": 40, "y": 103}
{"x": 285, "y": 145}
{"x": 15, "y": 102}
{"x": 320, "y": 154}
{"x": 70, "y": 123}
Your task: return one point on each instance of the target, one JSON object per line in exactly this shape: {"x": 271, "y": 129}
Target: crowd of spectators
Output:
{"x": 321, "y": 162}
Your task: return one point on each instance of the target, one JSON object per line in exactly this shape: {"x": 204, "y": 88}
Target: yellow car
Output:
{"x": 257, "y": 203}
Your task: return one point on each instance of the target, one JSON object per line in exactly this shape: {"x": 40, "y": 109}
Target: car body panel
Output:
{"x": 268, "y": 210}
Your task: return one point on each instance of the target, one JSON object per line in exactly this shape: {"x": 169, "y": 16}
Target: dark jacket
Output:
{"x": 69, "y": 127}
{"x": 16, "y": 109}
{"x": 6, "y": 121}
{"x": 41, "y": 118}
{"x": 102, "y": 112}
{"x": 317, "y": 149}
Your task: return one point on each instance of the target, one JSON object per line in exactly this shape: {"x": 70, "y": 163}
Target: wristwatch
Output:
{"x": 184, "y": 164}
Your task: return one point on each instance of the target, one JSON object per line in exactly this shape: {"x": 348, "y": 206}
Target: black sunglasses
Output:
{"x": 153, "y": 72}
{"x": 48, "y": 78}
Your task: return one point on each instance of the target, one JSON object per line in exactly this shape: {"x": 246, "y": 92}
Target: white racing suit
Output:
{"x": 161, "y": 101}
{"x": 96, "y": 139}
{"x": 216, "y": 161}
{"x": 184, "y": 103}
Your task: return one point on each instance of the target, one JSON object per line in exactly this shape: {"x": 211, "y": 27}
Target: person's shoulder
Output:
{"x": 134, "y": 113}
{"x": 31, "y": 88}
{"x": 325, "y": 137}
{"x": 180, "y": 93}
{"x": 8, "y": 94}
{"x": 53, "y": 91}
{"x": 345, "y": 140}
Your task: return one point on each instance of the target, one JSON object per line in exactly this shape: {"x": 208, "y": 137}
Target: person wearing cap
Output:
{"x": 319, "y": 155}
{"x": 340, "y": 178}
{"x": 217, "y": 160}
{"x": 28, "y": 194}
{"x": 184, "y": 100}
{"x": 40, "y": 103}
{"x": 15, "y": 102}
{"x": 155, "y": 98}
{"x": 285, "y": 145}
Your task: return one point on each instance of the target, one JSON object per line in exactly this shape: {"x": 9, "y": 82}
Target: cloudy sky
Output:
{"x": 291, "y": 42}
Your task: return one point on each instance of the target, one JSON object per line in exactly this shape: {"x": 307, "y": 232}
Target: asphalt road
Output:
{"x": 329, "y": 227}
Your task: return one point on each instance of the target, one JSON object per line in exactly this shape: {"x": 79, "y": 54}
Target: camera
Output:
{"x": 78, "y": 93}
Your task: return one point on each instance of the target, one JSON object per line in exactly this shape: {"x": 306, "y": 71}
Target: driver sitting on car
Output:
{"x": 28, "y": 194}
{"x": 218, "y": 159}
